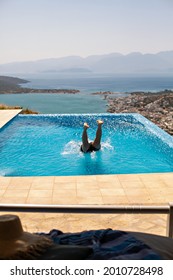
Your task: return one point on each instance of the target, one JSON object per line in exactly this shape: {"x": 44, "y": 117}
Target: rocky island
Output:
{"x": 12, "y": 85}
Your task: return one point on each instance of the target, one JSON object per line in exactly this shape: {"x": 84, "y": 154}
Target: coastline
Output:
{"x": 12, "y": 85}
{"x": 32, "y": 90}
{"x": 156, "y": 106}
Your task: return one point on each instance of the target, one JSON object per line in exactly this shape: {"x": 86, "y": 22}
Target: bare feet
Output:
{"x": 99, "y": 122}
{"x": 86, "y": 125}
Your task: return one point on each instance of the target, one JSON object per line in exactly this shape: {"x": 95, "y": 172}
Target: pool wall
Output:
{"x": 154, "y": 129}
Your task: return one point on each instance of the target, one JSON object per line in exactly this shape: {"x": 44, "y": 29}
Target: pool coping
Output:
{"x": 8, "y": 115}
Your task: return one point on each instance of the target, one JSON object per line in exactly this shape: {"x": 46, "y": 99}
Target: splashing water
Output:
{"x": 7, "y": 172}
{"x": 71, "y": 147}
{"x": 107, "y": 145}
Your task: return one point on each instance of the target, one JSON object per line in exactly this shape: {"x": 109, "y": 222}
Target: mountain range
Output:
{"x": 115, "y": 63}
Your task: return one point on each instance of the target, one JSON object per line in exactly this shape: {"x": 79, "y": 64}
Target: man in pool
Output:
{"x": 95, "y": 145}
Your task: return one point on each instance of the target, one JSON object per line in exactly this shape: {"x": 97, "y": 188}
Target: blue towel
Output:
{"x": 107, "y": 244}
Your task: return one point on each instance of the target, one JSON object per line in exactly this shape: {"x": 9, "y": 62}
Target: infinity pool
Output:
{"x": 49, "y": 145}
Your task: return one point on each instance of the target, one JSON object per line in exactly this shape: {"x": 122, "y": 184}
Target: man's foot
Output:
{"x": 86, "y": 125}
{"x": 99, "y": 122}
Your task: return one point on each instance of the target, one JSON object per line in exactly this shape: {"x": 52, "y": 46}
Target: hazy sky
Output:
{"x": 36, "y": 29}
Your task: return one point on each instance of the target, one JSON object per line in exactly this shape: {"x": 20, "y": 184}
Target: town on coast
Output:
{"x": 157, "y": 107}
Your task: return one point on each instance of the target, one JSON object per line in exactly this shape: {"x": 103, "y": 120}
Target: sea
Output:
{"x": 87, "y": 83}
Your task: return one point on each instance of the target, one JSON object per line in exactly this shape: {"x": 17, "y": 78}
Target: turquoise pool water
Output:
{"x": 49, "y": 145}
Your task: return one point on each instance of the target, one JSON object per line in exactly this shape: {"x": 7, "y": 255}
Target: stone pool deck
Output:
{"x": 121, "y": 189}
{"x": 130, "y": 189}
{"x": 127, "y": 189}
{"x": 7, "y": 115}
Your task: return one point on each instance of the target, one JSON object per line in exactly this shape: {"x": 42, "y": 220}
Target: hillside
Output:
{"x": 156, "y": 107}
{"x": 9, "y": 83}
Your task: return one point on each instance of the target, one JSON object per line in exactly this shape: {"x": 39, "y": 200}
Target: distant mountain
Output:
{"x": 68, "y": 70}
{"x": 136, "y": 62}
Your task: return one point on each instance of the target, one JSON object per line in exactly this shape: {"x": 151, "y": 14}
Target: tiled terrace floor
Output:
{"x": 138, "y": 189}
{"x": 96, "y": 189}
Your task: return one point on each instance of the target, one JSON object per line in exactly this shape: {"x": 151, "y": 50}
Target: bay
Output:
{"x": 83, "y": 102}
{"x": 56, "y": 103}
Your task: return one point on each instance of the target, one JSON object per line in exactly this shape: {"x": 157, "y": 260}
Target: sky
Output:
{"x": 38, "y": 29}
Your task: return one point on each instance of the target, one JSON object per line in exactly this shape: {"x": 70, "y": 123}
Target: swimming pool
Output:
{"x": 49, "y": 145}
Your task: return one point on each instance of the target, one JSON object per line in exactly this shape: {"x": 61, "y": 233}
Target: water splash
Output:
{"x": 6, "y": 172}
{"x": 107, "y": 145}
{"x": 71, "y": 148}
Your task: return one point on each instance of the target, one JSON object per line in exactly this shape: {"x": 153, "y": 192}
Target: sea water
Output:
{"x": 83, "y": 102}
